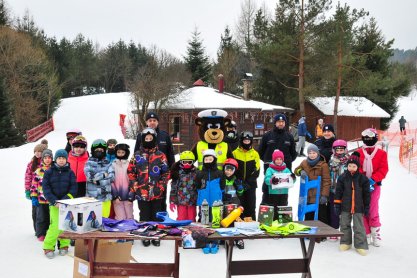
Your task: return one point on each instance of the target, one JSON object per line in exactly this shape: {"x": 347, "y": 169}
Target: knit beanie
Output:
{"x": 354, "y": 158}
{"x": 277, "y": 154}
{"x": 111, "y": 141}
{"x": 313, "y": 148}
{"x": 40, "y": 148}
{"x": 61, "y": 153}
{"x": 151, "y": 115}
{"x": 328, "y": 127}
{"x": 280, "y": 117}
{"x": 47, "y": 152}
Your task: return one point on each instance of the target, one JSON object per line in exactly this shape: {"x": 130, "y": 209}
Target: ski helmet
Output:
{"x": 124, "y": 147}
{"x": 98, "y": 143}
{"x": 79, "y": 140}
{"x": 231, "y": 161}
{"x": 73, "y": 132}
{"x": 187, "y": 155}
{"x": 370, "y": 137}
{"x": 232, "y": 124}
{"x": 150, "y": 144}
{"x": 339, "y": 144}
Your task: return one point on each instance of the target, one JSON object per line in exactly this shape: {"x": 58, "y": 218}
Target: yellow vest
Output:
{"x": 221, "y": 152}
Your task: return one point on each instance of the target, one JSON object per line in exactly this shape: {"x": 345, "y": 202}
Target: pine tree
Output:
{"x": 8, "y": 132}
{"x": 4, "y": 14}
{"x": 196, "y": 60}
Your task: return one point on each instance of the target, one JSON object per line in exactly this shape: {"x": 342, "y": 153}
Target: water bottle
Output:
{"x": 231, "y": 217}
{"x": 216, "y": 216}
{"x": 205, "y": 212}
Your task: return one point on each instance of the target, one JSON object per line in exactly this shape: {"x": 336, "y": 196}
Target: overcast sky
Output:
{"x": 168, "y": 24}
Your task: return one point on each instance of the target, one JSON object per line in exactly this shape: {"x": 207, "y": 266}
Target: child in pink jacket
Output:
{"x": 123, "y": 208}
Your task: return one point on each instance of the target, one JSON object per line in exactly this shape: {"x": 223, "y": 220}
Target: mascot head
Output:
{"x": 211, "y": 125}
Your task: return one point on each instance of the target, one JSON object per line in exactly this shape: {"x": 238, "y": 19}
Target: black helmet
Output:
{"x": 125, "y": 147}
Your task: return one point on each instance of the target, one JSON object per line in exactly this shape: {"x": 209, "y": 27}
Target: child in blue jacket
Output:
{"x": 58, "y": 183}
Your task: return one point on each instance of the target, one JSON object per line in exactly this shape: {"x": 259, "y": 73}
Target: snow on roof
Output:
{"x": 205, "y": 98}
{"x": 349, "y": 106}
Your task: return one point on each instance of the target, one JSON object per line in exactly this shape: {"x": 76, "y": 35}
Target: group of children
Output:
{"x": 108, "y": 175}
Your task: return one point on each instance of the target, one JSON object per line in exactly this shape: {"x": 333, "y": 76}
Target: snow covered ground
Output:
{"x": 98, "y": 115}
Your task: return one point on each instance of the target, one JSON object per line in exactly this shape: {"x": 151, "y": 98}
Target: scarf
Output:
{"x": 313, "y": 162}
{"x": 278, "y": 167}
{"x": 367, "y": 162}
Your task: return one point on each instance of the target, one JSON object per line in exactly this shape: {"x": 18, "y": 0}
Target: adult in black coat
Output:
{"x": 277, "y": 138}
{"x": 325, "y": 142}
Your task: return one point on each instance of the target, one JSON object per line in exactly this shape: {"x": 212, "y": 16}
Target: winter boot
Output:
{"x": 344, "y": 247}
{"x": 146, "y": 242}
{"x": 240, "y": 244}
{"x": 369, "y": 239}
{"x": 49, "y": 253}
{"x": 214, "y": 248}
{"x": 41, "y": 238}
{"x": 362, "y": 252}
{"x": 156, "y": 242}
{"x": 376, "y": 236}
{"x": 206, "y": 249}
{"x": 63, "y": 251}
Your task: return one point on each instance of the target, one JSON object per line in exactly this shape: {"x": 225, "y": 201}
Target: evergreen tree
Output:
{"x": 196, "y": 60}
{"x": 8, "y": 132}
{"x": 4, "y": 14}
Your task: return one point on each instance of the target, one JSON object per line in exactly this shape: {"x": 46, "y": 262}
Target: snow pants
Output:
{"x": 359, "y": 237}
{"x": 42, "y": 219}
{"x": 106, "y": 209}
{"x": 248, "y": 202}
{"x": 301, "y": 144}
{"x": 372, "y": 220}
{"x": 34, "y": 218}
{"x": 186, "y": 212}
{"x": 53, "y": 231}
{"x": 123, "y": 209}
{"x": 148, "y": 209}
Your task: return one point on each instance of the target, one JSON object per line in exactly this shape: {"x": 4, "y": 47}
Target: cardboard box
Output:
{"x": 266, "y": 215}
{"x": 284, "y": 214}
{"x": 107, "y": 251}
{"x": 80, "y": 215}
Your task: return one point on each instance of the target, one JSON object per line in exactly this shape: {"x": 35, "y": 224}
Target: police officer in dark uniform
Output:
{"x": 277, "y": 138}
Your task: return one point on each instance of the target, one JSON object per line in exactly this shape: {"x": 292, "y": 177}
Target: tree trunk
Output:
{"x": 301, "y": 63}
{"x": 339, "y": 86}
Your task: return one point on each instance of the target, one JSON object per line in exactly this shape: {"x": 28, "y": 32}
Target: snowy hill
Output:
{"x": 97, "y": 116}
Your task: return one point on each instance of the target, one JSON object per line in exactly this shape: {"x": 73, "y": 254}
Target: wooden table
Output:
{"x": 277, "y": 266}
{"x": 125, "y": 269}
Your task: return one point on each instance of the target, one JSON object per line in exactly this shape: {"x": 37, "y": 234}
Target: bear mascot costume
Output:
{"x": 211, "y": 129}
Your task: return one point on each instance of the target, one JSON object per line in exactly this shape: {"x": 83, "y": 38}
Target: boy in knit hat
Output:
{"x": 111, "y": 151}
{"x": 351, "y": 202}
{"x": 313, "y": 167}
{"x": 58, "y": 183}
{"x": 325, "y": 142}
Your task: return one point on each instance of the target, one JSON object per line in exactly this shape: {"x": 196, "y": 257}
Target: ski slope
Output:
{"x": 98, "y": 117}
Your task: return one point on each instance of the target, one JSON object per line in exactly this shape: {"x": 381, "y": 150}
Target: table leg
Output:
{"x": 177, "y": 260}
{"x": 307, "y": 254}
{"x": 229, "y": 253}
{"x": 92, "y": 249}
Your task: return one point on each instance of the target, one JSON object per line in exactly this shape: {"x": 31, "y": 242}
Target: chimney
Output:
{"x": 247, "y": 85}
{"x": 221, "y": 83}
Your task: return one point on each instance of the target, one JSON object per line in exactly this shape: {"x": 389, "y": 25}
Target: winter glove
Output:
{"x": 35, "y": 202}
{"x": 323, "y": 200}
{"x": 294, "y": 178}
{"x": 337, "y": 209}
{"x": 240, "y": 190}
{"x": 131, "y": 196}
{"x": 27, "y": 193}
{"x": 274, "y": 180}
{"x": 172, "y": 207}
{"x": 366, "y": 211}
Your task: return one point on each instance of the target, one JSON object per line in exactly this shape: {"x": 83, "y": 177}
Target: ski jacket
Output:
{"x": 59, "y": 183}
{"x": 120, "y": 185}
{"x": 231, "y": 184}
{"x": 100, "y": 175}
{"x": 337, "y": 166}
{"x": 208, "y": 185}
{"x": 320, "y": 169}
{"x": 110, "y": 157}
{"x": 352, "y": 192}
{"x": 268, "y": 175}
{"x": 379, "y": 165}
{"x": 277, "y": 139}
{"x": 77, "y": 164}
{"x": 36, "y": 189}
{"x": 233, "y": 143}
{"x": 325, "y": 147}
{"x": 183, "y": 186}
{"x": 319, "y": 131}
{"x": 302, "y": 128}
{"x": 249, "y": 164}
{"x": 164, "y": 145}
{"x": 29, "y": 174}
{"x": 148, "y": 175}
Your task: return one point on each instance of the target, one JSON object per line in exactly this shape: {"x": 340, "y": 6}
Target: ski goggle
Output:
{"x": 187, "y": 162}
{"x": 369, "y": 133}
{"x": 78, "y": 146}
{"x": 247, "y": 134}
{"x": 149, "y": 130}
{"x": 98, "y": 145}
{"x": 229, "y": 167}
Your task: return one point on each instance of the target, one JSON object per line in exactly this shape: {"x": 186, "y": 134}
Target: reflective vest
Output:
{"x": 221, "y": 151}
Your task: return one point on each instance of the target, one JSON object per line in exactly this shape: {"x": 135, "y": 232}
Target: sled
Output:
{"x": 303, "y": 207}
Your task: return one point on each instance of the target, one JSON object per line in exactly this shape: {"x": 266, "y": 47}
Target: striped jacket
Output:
{"x": 36, "y": 189}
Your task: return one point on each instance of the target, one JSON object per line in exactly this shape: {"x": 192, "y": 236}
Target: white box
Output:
{"x": 80, "y": 215}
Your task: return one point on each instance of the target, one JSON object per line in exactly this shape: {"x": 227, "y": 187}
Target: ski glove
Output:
{"x": 35, "y": 202}
{"x": 27, "y": 193}
{"x": 323, "y": 200}
{"x": 240, "y": 190}
{"x": 131, "y": 196}
{"x": 172, "y": 207}
{"x": 337, "y": 209}
{"x": 274, "y": 180}
{"x": 366, "y": 211}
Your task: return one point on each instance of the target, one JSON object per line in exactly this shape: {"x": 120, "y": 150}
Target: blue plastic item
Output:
{"x": 303, "y": 208}
{"x": 171, "y": 222}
